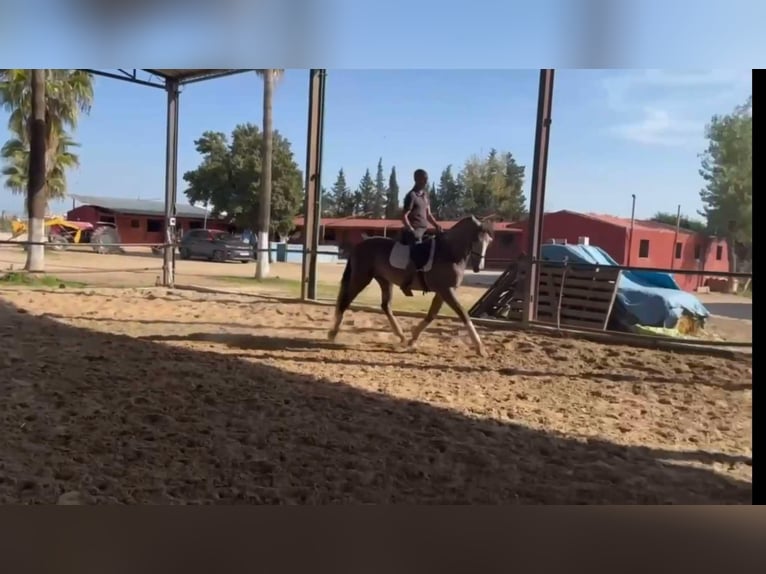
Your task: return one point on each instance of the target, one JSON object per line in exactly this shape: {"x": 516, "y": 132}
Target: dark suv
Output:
{"x": 214, "y": 245}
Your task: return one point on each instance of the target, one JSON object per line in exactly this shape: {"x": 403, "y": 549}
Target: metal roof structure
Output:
{"x": 177, "y": 76}
{"x": 139, "y": 206}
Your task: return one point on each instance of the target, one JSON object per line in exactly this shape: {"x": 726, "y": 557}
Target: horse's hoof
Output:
{"x": 482, "y": 352}
{"x": 411, "y": 343}
{"x": 331, "y": 335}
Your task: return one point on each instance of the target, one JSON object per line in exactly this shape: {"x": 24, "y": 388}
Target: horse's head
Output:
{"x": 483, "y": 231}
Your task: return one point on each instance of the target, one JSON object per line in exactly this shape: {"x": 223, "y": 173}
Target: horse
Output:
{"x": 443, "y": 260}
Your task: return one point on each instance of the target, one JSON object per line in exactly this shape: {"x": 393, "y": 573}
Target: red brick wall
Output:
{"x": 135, "y": 228}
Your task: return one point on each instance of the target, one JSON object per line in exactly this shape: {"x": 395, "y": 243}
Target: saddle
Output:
{"x": 420, "y": 255}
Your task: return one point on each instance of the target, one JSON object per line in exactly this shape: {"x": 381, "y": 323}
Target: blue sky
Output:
{"x": 614, "y": 132}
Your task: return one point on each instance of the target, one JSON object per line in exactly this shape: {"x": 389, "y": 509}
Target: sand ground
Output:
{"x": 168, "y": 396}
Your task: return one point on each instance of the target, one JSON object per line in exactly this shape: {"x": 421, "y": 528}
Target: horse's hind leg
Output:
{"x": 450, "y": 298}
{"x": 350, "y": 289}
{"x": 433, "y": 311}
{"x": 386, "y": 293}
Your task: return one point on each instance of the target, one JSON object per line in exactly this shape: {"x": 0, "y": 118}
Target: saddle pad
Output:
{"x": 400, "y": 256}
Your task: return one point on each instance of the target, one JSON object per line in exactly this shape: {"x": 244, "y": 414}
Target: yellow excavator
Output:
{"x": 60, "y": 232}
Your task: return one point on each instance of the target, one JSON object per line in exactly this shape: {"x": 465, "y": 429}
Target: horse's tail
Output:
{"x": 344, "y": 300}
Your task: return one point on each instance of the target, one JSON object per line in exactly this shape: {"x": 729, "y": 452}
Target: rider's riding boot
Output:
{"x": 406, "y": 286}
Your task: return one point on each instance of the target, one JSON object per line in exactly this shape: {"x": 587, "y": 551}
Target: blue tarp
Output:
{"x": 646, "y": 298}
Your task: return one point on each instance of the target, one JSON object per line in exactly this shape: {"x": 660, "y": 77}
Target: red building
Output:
{"x": 653, "y": 245}
{"x": 139, "y": 220}
{"x": 345, "y": 232}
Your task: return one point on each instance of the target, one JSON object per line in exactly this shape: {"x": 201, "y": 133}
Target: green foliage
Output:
{"x": 16, "y": 279}
{"x": 229, "y": 177}
{"x": 379, "y": 201}
{"x": 485, "y": 186}
{"x": 447, "y": 203}
{"x": 393, "y": 211}
{"x": 490, "y": 186}
{"x": 685, "y": 222}
{"x": 727, "y": 168}
{"x": 366, "y": 197}
{"x": 69, "y": 93}
{"x": 341, "y": 201}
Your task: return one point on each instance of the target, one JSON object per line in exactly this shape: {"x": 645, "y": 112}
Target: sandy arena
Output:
{"x": 157, "y": 396}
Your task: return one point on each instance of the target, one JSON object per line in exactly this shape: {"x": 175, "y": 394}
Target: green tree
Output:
{"x": 378, "y": 207}
{"x": 449, "y": 197}
{"x": 393, "y": 209}
{"x": 493, "y": 186}
{"x": 327, "y": 203}
{"x": 684, "y": 223}
{"x": 474, "y": 179}
{"x": 365, "y": 196}
{"x": 342, "y": 199}
{"x": 513, "y": 206}
{"x": 727, "y": 168}
{"x": 229, "y": 178}
{"x": 69, "y": 93}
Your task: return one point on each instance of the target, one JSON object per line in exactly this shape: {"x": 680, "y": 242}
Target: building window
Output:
{"x": 697, "y": 252}
{"x": 507, "y": 239}
{"x": 679, "y": 248}
{"x": 135, "y": 223}
{"x": 196, "y": 224}
{"x": 719, "y": 252}
{"x": 643, "y": 249}
{"x": 155, "y": 225}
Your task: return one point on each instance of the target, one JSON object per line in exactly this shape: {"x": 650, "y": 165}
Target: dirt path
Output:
{"x": 169, "y": 397}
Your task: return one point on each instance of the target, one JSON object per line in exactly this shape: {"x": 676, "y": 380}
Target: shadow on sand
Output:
{"x": 119, "y": 419}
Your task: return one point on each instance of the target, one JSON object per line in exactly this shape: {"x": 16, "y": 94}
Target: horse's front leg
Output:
{"x": 450, "y": 298}
{"x": 433, "y": 311}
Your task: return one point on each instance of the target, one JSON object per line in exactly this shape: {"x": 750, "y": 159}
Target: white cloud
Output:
{"x": 658, "y": 107}
{"x": 658, "y": 127}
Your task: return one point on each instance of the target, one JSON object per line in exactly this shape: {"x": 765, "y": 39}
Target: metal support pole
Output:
{"x": 537, "y": 192}
{"x": 171, "y": 178}
{"x": 312, "y": 207}
{"x": 632, "y": 223}
{"x": 675, "y": 238}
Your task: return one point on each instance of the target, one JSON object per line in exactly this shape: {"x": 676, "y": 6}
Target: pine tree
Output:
{"x": 365, "y": 194}
{"x": 433, "y": 196}
{"x": 340, "y": 198}
{"x": 392, "y": 197}
{"x": 379, "y": 203}
{"x": 514, "y": 207}
{"x": 449, "y": 196}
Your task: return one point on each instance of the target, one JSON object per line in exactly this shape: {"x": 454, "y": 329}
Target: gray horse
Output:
{"x": 389, "y": 263}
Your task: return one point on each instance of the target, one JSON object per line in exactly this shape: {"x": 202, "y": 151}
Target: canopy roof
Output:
{"x": 183, "y": 76}
{"x": 178, "y": 75}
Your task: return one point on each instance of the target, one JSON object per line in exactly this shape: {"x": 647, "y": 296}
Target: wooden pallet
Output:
{"x": 568, "y": 295}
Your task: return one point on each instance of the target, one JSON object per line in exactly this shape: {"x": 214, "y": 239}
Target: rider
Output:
{"x": 416, "y": 216}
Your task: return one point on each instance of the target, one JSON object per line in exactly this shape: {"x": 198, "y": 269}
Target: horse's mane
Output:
{"x": 457, "y": 253}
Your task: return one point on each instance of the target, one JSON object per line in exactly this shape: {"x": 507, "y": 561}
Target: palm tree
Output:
{"x": 16, "y": 156}
{"x": 36, "y": 192}
{"x": 69, "y": 93}
{"x": 269, "y": 77}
